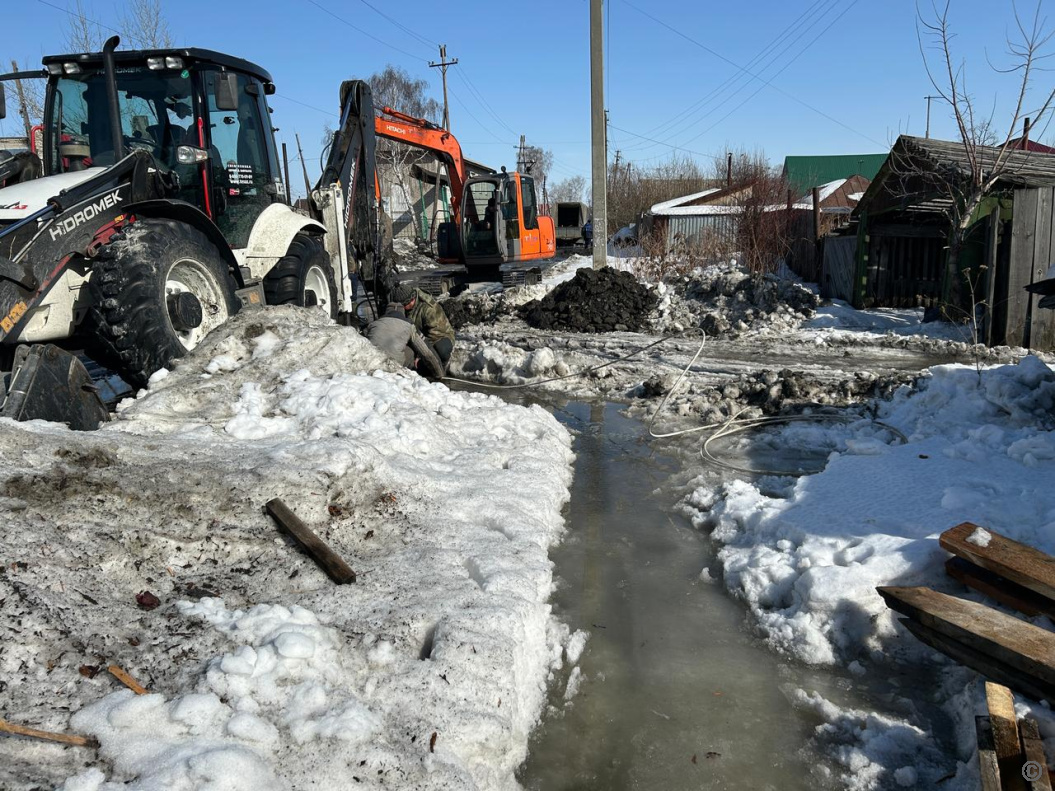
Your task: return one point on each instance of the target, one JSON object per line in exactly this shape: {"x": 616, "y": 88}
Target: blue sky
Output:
{"x": 844, "y": 76}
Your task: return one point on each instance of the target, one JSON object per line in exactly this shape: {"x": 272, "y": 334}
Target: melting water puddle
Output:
{"x": 674, "y": 691}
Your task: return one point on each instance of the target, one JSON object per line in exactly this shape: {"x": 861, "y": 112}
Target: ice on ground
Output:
{"x": 428, "y": 672}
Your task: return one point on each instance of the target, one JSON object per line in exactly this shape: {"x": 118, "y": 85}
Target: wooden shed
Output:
{"x": 903, "y": 237}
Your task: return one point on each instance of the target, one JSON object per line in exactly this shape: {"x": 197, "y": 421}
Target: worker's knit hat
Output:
{"x": 403, "y": 293}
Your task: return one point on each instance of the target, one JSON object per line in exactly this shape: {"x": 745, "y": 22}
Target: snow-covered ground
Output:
{"x": 806, "y": 554}
{"x": 428, "y": 672}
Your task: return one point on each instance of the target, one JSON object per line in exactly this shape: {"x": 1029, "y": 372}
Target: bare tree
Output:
{"x": 83, "y": 34}
{"x": 987, "y": 146}
{"x": 144, "y": 23}
{"x": 394, "y": 87}
{"x": 569, "y": 190}
{"x": 632, "y": 191}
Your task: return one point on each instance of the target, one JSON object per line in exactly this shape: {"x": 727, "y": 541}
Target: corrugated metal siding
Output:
{"x": 694, "y": 229}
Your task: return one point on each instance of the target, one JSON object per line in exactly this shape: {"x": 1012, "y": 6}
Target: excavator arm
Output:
{"x": 394, "y": 125}
{"x": 352, "y": 164}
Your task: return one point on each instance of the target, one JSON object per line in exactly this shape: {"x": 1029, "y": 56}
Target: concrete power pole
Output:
{"x": 598, "y": 136}
{"x": 442, "y": 66}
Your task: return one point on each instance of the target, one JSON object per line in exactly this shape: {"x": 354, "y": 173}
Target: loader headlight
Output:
{"x": 173, "y": 63}
{"x": 190, "y": 155}
{"x": 155, "y": 63}
{"x": 54, "y": 68}
{"x": 72, "y": 68}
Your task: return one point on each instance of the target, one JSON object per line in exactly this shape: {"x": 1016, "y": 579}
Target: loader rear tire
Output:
{"x": 157, "y": 289}
{"x": 303, "y": 277}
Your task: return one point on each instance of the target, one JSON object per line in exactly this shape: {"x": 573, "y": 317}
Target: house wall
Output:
{"x": 1032, "y": 251}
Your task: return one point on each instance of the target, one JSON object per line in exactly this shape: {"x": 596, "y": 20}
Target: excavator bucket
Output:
{"x": 49, "y": 383}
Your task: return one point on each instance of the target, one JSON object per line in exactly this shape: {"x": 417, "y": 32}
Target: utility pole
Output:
{"x": 442, "y": 66}
{"x": 599, "y": 135}
{"x": 23, "y": 106}
{"x": 304, "y": 166}
{"x": 928, "y": 98}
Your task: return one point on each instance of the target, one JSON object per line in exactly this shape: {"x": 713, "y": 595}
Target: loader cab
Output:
{"x": 201, "y": 115}
{"x": 501, "y": 222}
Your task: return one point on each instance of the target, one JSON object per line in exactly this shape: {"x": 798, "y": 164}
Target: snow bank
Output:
{"x": 980, "y": 448}
{"x": 429, "y": 671}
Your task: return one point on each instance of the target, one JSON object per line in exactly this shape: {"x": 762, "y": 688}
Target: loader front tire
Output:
{"x": 157, "y": 289}
{"x": 303, "y": 277}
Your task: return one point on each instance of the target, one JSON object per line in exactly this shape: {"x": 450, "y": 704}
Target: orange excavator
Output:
{"x": 496, "y": 217}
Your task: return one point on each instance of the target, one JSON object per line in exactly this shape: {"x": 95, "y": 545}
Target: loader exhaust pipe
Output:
{"x": 114, "y": 107}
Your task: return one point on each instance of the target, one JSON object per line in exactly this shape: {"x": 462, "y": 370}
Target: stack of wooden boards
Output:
{"x": 1010, "y": 753}
{"x": 1004, "y": 648}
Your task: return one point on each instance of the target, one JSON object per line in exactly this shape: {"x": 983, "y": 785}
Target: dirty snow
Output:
{"x": 429, "y": 671}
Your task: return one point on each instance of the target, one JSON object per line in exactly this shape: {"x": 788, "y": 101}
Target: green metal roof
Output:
{"x": 804, "y": 173}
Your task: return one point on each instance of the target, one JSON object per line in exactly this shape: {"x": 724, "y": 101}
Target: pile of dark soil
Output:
{"x": 604, "y": 300}
{"x": 475, "y": 309}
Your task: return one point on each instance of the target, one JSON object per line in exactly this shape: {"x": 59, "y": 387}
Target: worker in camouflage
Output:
{"x": 428, "y": 318}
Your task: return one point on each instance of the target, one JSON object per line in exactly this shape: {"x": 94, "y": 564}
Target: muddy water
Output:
{"x": 675, "y": 693}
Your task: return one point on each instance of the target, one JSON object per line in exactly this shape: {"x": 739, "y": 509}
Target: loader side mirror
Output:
{"x": 3, "y": 102}
{"x": 227, "y": 91}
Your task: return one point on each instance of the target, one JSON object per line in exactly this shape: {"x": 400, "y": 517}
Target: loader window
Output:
{"x": 238, "y": 162}
{"x": 155, "y": 109}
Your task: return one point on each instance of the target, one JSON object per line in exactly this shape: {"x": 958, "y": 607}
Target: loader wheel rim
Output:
{"x": 190, "y": 276}
{"x": 317, "y": 289}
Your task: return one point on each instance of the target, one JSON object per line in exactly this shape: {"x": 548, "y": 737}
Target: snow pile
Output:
{"x": 409, "y": 255}
{"x": 807, "y": 557}
{"x": 726, "y": 301}
{"x": 980, "y": 449}
{"x": 603, "y": 300}
{"x": 429, "y": 671}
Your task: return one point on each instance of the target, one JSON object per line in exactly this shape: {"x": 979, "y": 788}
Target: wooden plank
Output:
{"x": 1042, "y": 324}
{"x": 999, "y": 589}
{"x": 1005, "y": 557}
{"x": 1006, "y": 743}
{"x": 122, "y": 675}
{"x": 991, "y": 262}
{"x": 1020, "y": 645}
{"x": 330, "y": 562}
{"x": 980, "y": 662}
{"x": 987, "y": 765}
{"x": 48, "y": 736}
{"x": 1036, "y": 769}
{"x": 1020, "y": 269}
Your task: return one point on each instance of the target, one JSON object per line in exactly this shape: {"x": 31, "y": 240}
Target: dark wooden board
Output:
{"x": 1017, "y": 562}
{"x": 981, "y": 663}
{"x": 1020, "y": 645}
{"x": 987, "y": 764}
{"x": 1033, "y": 749}
{"x": 999, "y": 589}
{"x": 328, "y": 560}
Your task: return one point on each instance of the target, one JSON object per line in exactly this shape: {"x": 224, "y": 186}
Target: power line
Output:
{"x": 66, "y": 11}
{"x": 364, "y": 32}
{"x": 660, "y": 142}
{"x": 718, "y": 55}
{"x": 309, "y": 106}
{"x": 401, "y": 26}
{"x": 769, "y": 48}
{"x": 773, "y": 62}
{"x": 749, "y": 98}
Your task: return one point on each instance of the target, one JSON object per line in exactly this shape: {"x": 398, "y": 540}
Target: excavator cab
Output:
{"x": 501, "y": 222}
